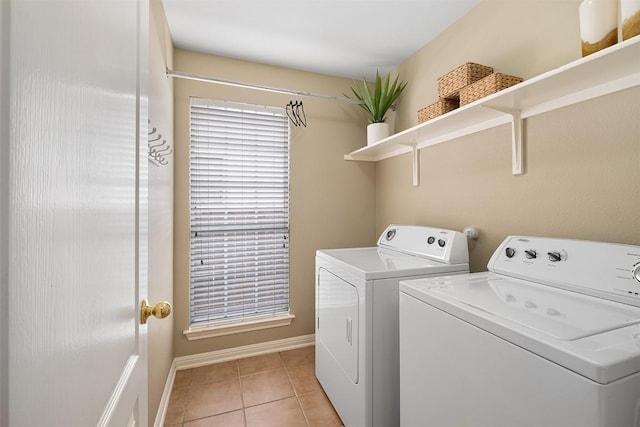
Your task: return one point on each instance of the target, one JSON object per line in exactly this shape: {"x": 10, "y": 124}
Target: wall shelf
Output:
{"x": 610, "y": 70}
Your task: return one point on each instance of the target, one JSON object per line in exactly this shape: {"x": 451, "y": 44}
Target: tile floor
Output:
{"x": 277, "y": 389}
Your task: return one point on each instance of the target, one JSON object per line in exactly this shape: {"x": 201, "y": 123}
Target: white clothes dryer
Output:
{"x": 550, "y": 336}
{"x": 357, "y": 316}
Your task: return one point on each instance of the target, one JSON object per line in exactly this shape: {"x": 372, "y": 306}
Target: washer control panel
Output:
{"x": 606, "y": 270}
{"x": 436, "y": 243}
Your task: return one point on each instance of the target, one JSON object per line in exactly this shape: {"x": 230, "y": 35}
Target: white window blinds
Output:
{"x": 239, "y": 185}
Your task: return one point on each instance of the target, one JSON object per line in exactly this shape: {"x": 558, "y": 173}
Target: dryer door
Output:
{"x": 338, "y": 324}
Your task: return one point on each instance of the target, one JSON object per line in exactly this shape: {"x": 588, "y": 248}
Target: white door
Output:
{"x": 77, "y": 213}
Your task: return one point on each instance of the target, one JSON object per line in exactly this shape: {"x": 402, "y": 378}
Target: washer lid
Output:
{"x": 597, "y": 338}
{"x": 561, "y": 315}
{"x": 378, "y": 263}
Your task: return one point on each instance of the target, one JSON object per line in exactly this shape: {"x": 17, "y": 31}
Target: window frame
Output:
{"x": 235, "y": 111}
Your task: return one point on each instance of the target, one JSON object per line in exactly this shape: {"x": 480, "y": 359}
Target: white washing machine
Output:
{"x": 357, "y": 316}
{"x": 550, "y": 336}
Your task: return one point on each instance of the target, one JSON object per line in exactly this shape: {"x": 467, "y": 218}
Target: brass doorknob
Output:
{"x": 160, "y": 310}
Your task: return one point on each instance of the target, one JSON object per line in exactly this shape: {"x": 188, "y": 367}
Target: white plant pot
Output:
{"x": 376, "y": 132}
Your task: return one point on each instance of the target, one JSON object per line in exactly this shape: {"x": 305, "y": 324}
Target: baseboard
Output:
{"x": 196, "y": 360}
{"x": 193, "y": 361}
{"x": 166, "y": 395}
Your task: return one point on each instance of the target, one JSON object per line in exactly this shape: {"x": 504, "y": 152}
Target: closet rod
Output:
{"x": 190, "y": 76}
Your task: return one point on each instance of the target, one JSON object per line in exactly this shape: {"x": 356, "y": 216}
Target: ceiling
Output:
{"x": 345, "y": 38}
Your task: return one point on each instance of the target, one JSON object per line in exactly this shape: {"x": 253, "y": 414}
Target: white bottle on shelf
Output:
{"x": 629, "y": 19}
{"x": 598, "y": 25}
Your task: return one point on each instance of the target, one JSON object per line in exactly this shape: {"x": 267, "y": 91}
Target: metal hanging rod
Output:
{"x": 190, "y": 76}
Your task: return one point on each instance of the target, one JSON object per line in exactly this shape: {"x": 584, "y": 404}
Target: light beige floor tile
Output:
{"x": 266, "y": 387}
{"x": 213, "y": 399}
{"x": 265, "y": 362}
{"x": 299, "y": 356}
{"x": 285, "y": 412}
{"x": 214, "y": 373}
{"x": 175, "y": 408}
{"x": 229, "y": 419}
{"x": 304, "y": 378}
{"x": 182, "y": 379}
{"x": 318, "y": 409}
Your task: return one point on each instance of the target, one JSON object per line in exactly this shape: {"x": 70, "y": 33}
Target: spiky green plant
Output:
{"x": 377, "y": 102}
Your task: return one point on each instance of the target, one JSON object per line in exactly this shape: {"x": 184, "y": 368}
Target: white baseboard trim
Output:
{"x": 202, "y": 359}
{"x": 196, "y": 360}
{"x": 166, "y": 395}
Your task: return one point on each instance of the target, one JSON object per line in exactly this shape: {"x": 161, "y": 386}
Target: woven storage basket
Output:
{"x": 490, "y": 84}
{"x": 436, "y": 109}
{"x": 450, "y": 84}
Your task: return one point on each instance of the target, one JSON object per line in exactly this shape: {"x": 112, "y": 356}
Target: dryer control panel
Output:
{"x": 436, "y": 243}
{"x": 606, "y": 270}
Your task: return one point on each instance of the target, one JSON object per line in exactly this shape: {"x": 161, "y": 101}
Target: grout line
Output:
{"x": 244, "y": 409}
{"x": 295, "y": 391}
{"x": 261, "y": 372}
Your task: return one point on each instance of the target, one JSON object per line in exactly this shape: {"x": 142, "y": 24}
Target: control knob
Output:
{"x": 635, "y": 271}
{"x": 430, "y": 240}
{"x": 510, "y": 252}
{"x": 391, "y": 234}
{"x": 530, "y": 254}
{"x": 441, "y": 243}
{"x": 554, "y": 256}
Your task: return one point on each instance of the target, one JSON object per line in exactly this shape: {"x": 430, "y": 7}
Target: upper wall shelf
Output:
{"x": 610, "y": 70}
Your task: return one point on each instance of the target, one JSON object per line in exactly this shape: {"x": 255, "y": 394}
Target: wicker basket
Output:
{"x": 436, "y": 109}
{"x": 490, "y": 84}
{"x": 450, "y": 84}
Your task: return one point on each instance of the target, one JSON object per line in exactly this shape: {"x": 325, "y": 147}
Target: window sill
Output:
{"x": 236, "y": 327}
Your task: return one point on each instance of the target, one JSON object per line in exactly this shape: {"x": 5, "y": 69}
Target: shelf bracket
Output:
{"x": 415, "y": 159}
{"x": 516, "y": 137}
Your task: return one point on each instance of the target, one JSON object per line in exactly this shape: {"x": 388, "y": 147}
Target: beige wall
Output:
{"x": 332, "y": 201}
{"x": 581, "y": 162}
{"x": 160, "y": 338}
{"x": 582, "y": 174}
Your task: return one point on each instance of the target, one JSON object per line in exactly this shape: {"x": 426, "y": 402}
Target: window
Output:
{"x": 239, "y": 199}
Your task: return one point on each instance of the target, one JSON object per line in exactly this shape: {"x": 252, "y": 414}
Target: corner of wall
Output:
{"x": 160, "y": 334}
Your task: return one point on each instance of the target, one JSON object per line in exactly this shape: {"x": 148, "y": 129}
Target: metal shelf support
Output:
{"x": 516, "y": 138}
{"x": 415, "y": 158}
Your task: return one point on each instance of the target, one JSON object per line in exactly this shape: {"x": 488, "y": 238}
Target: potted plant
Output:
{"x": 377, "y": 102}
